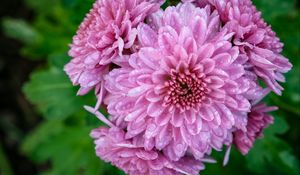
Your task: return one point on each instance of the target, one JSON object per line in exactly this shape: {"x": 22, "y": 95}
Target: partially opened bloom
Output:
{"x": 127, "y": 155}
{"x": 255, "y": 39}
{"x": 184, "y": 88}
{"x": 109, "y": 30}
{"x": 258, "y": 120}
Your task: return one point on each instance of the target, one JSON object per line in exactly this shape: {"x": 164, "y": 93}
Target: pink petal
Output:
{"x": 155, "y": 109}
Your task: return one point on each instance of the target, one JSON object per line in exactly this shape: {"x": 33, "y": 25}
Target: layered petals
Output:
{"x": 126, "y": 154}
{"x": 254, "y": 37}
{"x": 184, "y": 85}
{"x": 107, "y": 32}
{"x": 258, "y": 120}
{"x": 177, "y": 83}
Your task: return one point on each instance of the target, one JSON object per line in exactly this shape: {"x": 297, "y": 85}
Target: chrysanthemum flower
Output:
{"x": 255, "y": 39}
{"x": 186, "y": 88}
{"x": 111, "y": 146}
{"x": 109, "y": 30}
{"x": 258, "y": 119}
{"x": 177, "y": 83}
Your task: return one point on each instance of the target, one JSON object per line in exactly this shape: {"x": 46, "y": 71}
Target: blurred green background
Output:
{"x": 44, "y": 129}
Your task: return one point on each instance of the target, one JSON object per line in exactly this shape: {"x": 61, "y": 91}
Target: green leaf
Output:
{"x": 39, "y": 6}
{"x": 58, "y": 60}
{"x": 20, "y": 30}
{"x": 290, "y": 161}
{"x": 271, "y": 151}
{"x": 5, "y": 168}
{"x": 39, "y": 136}
{"x": 53, "y": 94}
{"x": 268, "y": 6}
{"x": 237, "y": 160}
{"x": 68, "y": 147}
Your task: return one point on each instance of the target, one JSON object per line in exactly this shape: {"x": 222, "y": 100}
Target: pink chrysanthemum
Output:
{"x": 254, "y": 38}
{"x": 112, "y": 146}
{"x": 179, "y": 86}
{"x": 258, "y": 119}
{"x": 109, "y": 30}
{"x": 185, "y": 88}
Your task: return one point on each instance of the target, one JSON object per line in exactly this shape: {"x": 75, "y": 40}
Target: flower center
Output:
{"x": 184, "y": 91}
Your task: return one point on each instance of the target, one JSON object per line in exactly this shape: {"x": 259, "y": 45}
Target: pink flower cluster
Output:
{"x": 177, "y": 83}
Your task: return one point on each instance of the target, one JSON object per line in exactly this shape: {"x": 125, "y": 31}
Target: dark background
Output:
{"x": 17, "y": 115}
